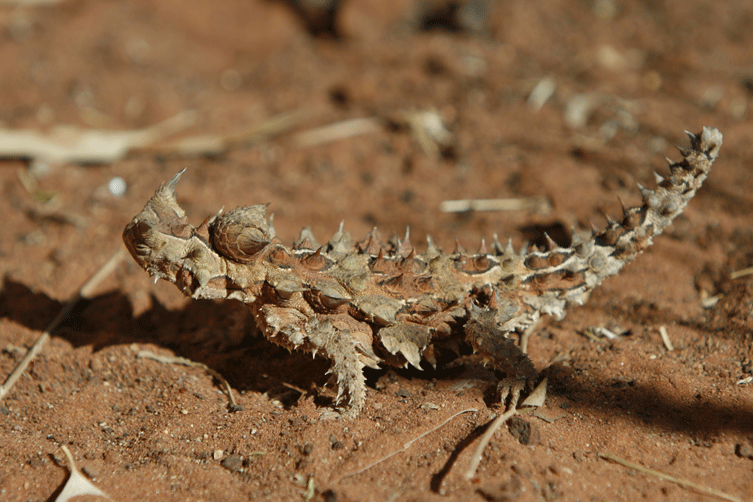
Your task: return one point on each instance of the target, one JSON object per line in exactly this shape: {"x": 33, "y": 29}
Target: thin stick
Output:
{"x": 539, "y": 204}
{"x": 667, "y": 477}
{"x": 478, "y": 453}
{"x": 408, "y": 444}
{"x": 187, "y": 362}
{"x": 337, "y": 131}
{"x": 665, "y": 338}
{"x": 39, "y": 344}
{"x": 741, "y": 273}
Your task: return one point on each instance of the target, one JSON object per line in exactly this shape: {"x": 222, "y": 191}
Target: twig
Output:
{"x": 187, "y": 362}
{"x": 478, "y": 453}
{"x": 217, "y": 144}
{"x": 665, "y": 338}
{"x": 408, "y": 444}
{"x": 337, "y": 131}
{"x": 667, "y": 477}
{"x": 538, "y": 204}
{"x": 39, "y": 344}
{"x": 741, "y": 273}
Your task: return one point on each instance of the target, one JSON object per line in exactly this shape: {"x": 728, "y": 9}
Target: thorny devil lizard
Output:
{"x": 368, "y": 303}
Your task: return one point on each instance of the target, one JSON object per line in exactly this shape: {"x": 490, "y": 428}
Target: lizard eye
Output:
{"x": 241, "y": 233}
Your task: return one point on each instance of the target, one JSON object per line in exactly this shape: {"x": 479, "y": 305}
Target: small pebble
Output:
{"x": 232, "y": 463}
{"x": 90, "y": 471}
{"x": 117, "y": 186}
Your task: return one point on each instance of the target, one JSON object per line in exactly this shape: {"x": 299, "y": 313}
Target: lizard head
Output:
{"x": 164, "y": 244}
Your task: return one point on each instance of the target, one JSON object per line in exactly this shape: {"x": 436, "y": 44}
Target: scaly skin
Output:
{"x": 364, "y": 304}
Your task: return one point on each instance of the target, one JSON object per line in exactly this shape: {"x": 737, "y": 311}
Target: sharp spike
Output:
{"x": 482, "y": 248}
{"x": 623, "y": 207}
{"x": 684, "y": 151}
{"x": 203, "y": 229}
{"x": 669, "y": 161}
{"x": 692, "y": 136}
{"x": 399, "y": 249}
{"x": 576, "y": 238}
{"x": 550, "y": 242}
{"x": 496, "y": 245}
{"x": 406, "y": 239}
{"x": 646, "y": 193}
{"x": 271, "y": 226}
{"x": 658, "y": 177}
{"x": 459, "y": 249}
{"x": 306, "y": 240}
{"x": 610, "y": 221}
{"x": 370, "y": 244}
{"x": 171, "y": 185}
{"x": 431, "y": 248}
{"x": 509, "y": 249}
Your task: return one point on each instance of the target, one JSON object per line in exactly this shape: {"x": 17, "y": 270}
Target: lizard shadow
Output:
{"x": 222, "y": 335}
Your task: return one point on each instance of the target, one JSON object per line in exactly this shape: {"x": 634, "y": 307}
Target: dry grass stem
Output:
{"x": 665, "y": 338}
{"x": 535, "y": 204}
{"x": 408, "y": 444}
{"x": 479, "y": 452}
{"x": 217, "y": 144}
{"x": 682, "y": 482}
{"x": 41, "y": 341}
{"x": 337, "y": 131}
{"x": 187, "y": 362}
{"x": 741, "y": 273}
{"x": 69, "y": 144}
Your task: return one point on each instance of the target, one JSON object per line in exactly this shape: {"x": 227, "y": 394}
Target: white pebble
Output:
{"x": 117, "y": 186}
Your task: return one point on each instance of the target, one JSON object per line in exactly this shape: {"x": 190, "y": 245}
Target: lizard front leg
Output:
{"x": 487, "y": 339}
{"x": 335, "y": 337}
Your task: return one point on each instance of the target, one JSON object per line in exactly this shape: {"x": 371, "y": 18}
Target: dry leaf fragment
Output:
{"x": 68, "y": 144}
{"x": 77, "y": 484}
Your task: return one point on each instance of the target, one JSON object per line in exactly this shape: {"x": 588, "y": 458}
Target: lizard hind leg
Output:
{"x": 491, "y": 342}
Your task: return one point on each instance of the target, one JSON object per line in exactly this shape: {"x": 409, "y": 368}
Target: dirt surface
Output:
{"x": 628, "y": 78}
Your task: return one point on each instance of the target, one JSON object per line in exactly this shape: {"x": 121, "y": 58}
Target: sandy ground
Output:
{"x": 625, "y": 78}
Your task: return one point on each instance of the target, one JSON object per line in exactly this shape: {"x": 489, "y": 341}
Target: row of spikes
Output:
{"x": 372, "y": 245}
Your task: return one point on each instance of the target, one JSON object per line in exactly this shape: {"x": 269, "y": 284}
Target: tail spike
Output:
{"x": 623, "y": 207}
{"x": 610, "y": 221}
{"x": 646, "y": 193}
